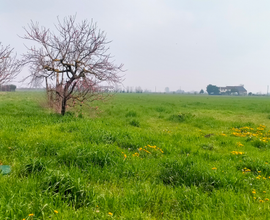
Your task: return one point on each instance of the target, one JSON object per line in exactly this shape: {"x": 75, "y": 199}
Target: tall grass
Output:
{"x": 138, "y": 156}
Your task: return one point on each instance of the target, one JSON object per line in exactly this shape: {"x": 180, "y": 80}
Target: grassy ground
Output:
{"x": 138, "y": 156}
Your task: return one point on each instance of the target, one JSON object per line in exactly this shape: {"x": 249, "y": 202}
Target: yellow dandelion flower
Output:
{"x": 55, "y": 211}
{"x": 147, "y": 151}
{"x": 254, "y": 197}
{"x": 31, "y": 215}
{"x": 110, "y": 213}
{"x": 266, "y": 199}
{"x": 253, "y": 192}
{"x": 264, "y": 191}
{"x": 214, "y": 168}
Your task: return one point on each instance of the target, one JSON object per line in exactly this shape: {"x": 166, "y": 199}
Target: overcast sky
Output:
{"x": 165, "y": 43}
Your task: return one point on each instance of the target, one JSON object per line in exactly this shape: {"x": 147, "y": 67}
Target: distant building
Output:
{"x": 8, "y": 88}
{"x": 105, "y": 88}
{"x": 240, "y": 90}
{"x": 180, "y": 91}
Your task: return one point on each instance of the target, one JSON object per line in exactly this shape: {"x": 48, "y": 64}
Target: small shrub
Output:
{"x": 207, "y": 146}
{"x": 206, "y": 122}
{"x": 209, "y": 156}
{"x": 255, "y": 166}
{"x": 32, "y": 167}
{"x": 135, "y": 123}
{"x": 69, "y": 114}
{"x": 131, "y": 114}
{"x": 259, "y": 144}
{"x": 189, "y": 173}
{"x": 49, "y": 148}
{"x": 69, "y": 189}
{"x": 160, "y": 109}
{"x": 185, "y": 150}
{"x": 181, "y": 117}
{"x": 107, "y": 137}
{"x": 242, "y": 124}
{"x": 84, "y": 158}
{"x": 128, "y": 144}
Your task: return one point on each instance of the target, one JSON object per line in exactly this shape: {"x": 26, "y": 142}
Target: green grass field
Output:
{"x": 137, "y": 156}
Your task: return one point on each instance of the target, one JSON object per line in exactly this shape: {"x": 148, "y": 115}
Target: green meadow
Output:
{"x": 136, "y": 156}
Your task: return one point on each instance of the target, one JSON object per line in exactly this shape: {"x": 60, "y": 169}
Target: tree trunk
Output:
{"x": 66, "y": 94}
{"x": 65, "y": 97}
{"x": 63, "y": 108}
{"x": 47, "y": 88}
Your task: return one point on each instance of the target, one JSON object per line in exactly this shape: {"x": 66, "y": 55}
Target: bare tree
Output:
{"x": 9, "y": 65}
{"x": 73, "y": 63}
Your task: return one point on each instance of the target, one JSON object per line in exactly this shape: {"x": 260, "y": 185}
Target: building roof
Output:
{"x": 239, "y": 88}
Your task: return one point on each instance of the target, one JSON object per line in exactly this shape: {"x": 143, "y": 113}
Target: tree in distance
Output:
{"x": 202, "y": 91}
{"x": 9, "y": 65}
{"x": 10, "y": 88}
{"x": 73, "y": 63}
{"x": 212, "y": 90}
{"x": 234, "y": 91}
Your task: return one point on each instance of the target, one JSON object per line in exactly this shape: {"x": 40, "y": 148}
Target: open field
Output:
{"x": 138, "y": 156}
